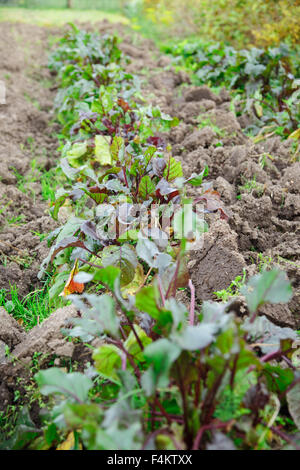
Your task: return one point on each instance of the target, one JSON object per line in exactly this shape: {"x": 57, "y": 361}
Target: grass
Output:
{"x": 207, "y": 122}
{"x": 31, "y": 310}
{"x": 250, "y": 185}
{"x": 56, "y": 17}
{"x": 50, "y": 180}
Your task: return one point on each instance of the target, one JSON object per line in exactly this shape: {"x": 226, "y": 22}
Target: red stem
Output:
{"x": 192, "y": 307}
{"x": 208, "y": 427}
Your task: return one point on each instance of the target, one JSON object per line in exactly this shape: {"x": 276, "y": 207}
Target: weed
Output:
{"x": 249, "y": 185}
{"x": 232, "y": 290}
{"x": 207, "y": 122}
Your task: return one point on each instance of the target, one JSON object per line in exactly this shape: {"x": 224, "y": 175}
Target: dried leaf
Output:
{"x": 72, "y": 286}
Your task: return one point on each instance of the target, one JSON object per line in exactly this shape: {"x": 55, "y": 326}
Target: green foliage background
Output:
{"x": 239, "y": 22}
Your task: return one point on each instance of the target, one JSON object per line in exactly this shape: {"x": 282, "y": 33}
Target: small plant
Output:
{"x": 207, "y": 122}
{"x": 249, "y": 185}
{"x": 233, "y": 289}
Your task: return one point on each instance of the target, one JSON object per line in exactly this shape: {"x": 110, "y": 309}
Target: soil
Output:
{"x": 264, "y": 216}
{"x": 26, "y": 135}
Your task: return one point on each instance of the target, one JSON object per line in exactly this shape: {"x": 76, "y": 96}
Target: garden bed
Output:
{"x": 254, "y": 226}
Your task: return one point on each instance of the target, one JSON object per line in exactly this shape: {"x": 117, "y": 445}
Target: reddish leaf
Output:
{"x": 124, "y": 105}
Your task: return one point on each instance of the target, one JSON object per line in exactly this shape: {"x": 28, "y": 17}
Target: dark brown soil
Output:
{"x": 26, "y": 135}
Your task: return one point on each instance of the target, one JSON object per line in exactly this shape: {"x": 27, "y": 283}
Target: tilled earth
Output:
{"x": 25, "y": 129}
{"x": 264, "y": 216}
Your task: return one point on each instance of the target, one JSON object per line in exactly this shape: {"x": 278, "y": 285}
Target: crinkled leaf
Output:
{"x": 123, "y": 257}
{"x": 78, "y": 149}
{"x": 102, "y": 150}
{"x": 117, "y": 149}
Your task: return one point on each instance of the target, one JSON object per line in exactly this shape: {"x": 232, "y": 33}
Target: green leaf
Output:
{"x": 69, "y": 229}
{"x": 293, "y": 400}
{"x": 196, "y": 180}
{"x": 146, "y": 187}
{"x": 78, "y": 149}
{"x": 278, "y": 379}
{"x": 76, "y": 152}
{"x": 123, "y": 257}
{"x": 59, "y": 284}
{"x": 24, "y": 432}
{"x": 59, "y": 201}
{"x": 195, "y": 337}
{"x": 117, "y": 149}
{"x": 133, "y": 347}
{"x": 161, "y": 355}
{"x": 149, "y": 153}
{"x": 107, "y": 362}
{"x": 146, "y": 300}
{"x": 102, "y": 150}
{"x": 270, "y": 286}
{"x": 179, "y": 312}
{"x": 173, "y": 170}
{"x": 116, "y": 438}
{"x": 87, "y": 416}
{"x": 98, "y": 318}
{"x": 108, "y": 276}
{"x": 74, "y": 386}
{"x": 131, "y": 234}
